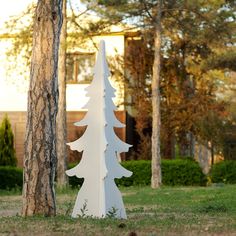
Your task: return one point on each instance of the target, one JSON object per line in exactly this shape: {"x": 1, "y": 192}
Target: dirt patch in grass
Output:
{"x": 10, "y": 206}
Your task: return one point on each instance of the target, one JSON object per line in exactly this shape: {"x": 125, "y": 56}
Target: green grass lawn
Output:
{"x": 166, "y": 211}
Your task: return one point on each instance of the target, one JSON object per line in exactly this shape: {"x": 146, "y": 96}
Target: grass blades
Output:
{"x": 165, "y": 211}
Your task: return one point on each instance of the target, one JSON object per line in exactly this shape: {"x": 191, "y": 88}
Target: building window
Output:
{"x": 79, "y": 67}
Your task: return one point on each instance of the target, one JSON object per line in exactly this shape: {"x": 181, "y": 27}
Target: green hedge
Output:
{"x": 183, "y": 172}
{"x": 10, "y": 177}
{"x": 224, "y": 172}
{"x": 174, "y": 172}
{"x": 141, "y": 173}
{"x": 74, "y": 182}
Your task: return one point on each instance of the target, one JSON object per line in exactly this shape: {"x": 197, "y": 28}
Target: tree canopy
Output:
{"x": 198, "y": 58}
{"x": 198, "y": 51}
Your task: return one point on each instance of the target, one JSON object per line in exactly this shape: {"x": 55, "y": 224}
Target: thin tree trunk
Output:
{"x": 212, "y": 154}
{"x": 62, "y": 179}
{"x": 40, "y": 158}
{"x": 156, "y": 121}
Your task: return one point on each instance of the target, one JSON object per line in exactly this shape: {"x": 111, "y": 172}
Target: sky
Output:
{"x": 10, "y": 93}
{"x": 17, "y": 99}
{"x": 14, "y": 7}
{"x": 11, "y": 8}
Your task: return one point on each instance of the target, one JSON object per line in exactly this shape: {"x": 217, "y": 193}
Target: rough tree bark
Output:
{"x": 156, "y": 119}
{"x": 62, "y": 178}
{"x": 40, "y": 141}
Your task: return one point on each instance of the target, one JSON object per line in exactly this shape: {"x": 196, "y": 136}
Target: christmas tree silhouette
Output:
{"x": 99, "y": 166}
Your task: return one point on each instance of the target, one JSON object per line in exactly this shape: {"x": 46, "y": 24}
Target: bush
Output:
{"x": 7, "y": 151}
{"x": 224, "y": 172}
{"x": 182, "y": 172}
{"x": 174, "y": 172}
{"x": 74, "y": 182}
{"x": 141, "y": 173}
{"x": 11, "y": 177}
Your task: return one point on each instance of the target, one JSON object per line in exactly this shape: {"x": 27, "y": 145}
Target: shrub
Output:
{"x": 224, "y": 171}
{"x": 141, "y": 173}
{"x": 11, "y": 177}
{"x": 174, "y": 172}
{"x": 74, "y": 181}
{"x": 7, "y": 151}
{"x": 182, "y": 172}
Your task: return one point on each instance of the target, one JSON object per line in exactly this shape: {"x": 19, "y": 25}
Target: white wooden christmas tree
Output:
{"x": 99, "y": 165}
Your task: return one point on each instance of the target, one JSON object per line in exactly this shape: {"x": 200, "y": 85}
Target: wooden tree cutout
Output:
{"x": 99, "y": 166}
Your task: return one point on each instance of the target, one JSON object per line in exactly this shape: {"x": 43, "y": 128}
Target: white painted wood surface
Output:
{"x": 99, "y": 165}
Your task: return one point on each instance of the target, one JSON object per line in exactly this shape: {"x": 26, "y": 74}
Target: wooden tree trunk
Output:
{"x": 62, "y": 178}
{"x": 169, "y": 145}
{"x": 156, "y": 119}
{"x": 40, "y": 158}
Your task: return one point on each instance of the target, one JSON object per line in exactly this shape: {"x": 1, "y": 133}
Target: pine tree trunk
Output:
{"x": 156, "y": 121}
{"x": 40, "y": 141}
{"x": 62, "y": 179}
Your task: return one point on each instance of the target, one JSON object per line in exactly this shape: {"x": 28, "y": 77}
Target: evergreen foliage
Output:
{"x": 7, "y": 150}
{"x": 224, "y": 172}
{"x": 10, "y": 177}
{"x": 198, "y": 48}
{"x": 174, "y": 172}
{"x": 198, "y": 55}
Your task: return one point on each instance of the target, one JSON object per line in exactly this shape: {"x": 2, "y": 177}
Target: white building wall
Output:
{"x": 14, "y": 87}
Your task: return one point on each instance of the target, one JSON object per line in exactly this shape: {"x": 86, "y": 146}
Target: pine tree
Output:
{"x": 40, "y": 159}
{"x": 198, "y": 47}
{"x": 7, "y": 150}
{"x": 61, "y": 129}
{"x": 99, "y": 194}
